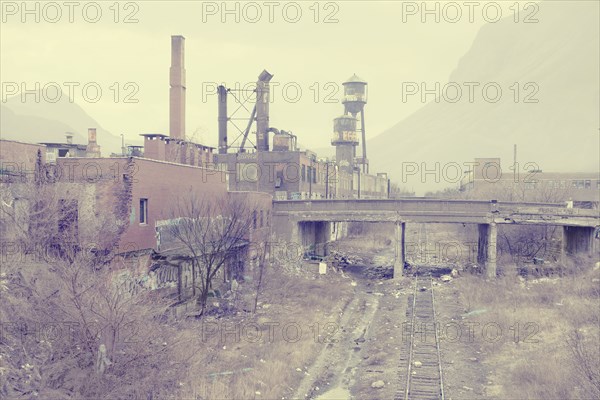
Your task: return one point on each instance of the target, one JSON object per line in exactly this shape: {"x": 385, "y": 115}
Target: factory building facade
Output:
{"x": 274, "y": 164}
{"x": 121, "y": 205}
{"x": 487, "y": 179}
{"x": 70, "y": 149}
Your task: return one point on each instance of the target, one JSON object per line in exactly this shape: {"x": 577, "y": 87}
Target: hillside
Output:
{"x": 35, "y": 122}
{"x": 559, "y": 55}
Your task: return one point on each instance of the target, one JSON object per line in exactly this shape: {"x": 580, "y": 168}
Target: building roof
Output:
{"x": 20, "y": 142}
{"x": 355, "y": 79}
{"x": 168, "y": 138}
{"x": 67, "y": 145}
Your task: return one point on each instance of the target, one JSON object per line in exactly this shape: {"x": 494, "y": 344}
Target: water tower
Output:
{"x": 355, "y": 98}
{"x": 345, "y": 141}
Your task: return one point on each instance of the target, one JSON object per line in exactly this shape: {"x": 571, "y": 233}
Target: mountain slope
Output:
{"x": 559, "y": 56}
{"x": 32, "y": 121}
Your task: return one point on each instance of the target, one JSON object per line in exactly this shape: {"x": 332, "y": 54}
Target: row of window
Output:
{"x": 564, "y": 184}
{"x": 308, "y": 174}
{"x": 260, "y": 219}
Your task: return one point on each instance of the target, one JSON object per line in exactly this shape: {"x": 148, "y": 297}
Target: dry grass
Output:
{"x": 555, "y": 354}
{"x": 266, "y": 368}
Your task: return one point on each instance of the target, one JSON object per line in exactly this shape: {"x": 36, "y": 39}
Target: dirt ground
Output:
{"x": 361, "y": 311}
{"x": 370, "y": 341}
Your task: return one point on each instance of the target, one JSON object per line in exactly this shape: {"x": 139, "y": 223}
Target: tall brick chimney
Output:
{"x": 92, "y": 149}
{"x": 177, "y": 91}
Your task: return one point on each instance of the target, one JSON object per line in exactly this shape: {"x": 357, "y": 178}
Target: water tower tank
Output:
{"x": 344, "y": 130}
{"x": 355, "y": 94}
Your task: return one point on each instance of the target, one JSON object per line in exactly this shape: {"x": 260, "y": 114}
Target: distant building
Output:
{"x": 70, "y": 149}
{"x": 164, "y": 148}
{"x": 486, "y": 179}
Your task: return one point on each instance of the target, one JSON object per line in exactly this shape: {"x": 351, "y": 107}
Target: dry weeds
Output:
{"x": 549, "y": 342}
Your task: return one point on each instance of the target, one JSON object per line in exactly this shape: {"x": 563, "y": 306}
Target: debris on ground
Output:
{"x": 378, "y": 384}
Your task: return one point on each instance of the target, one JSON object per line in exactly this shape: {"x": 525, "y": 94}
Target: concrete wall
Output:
{"x": 16, "y": 157}
{"x": 295, "y": 175}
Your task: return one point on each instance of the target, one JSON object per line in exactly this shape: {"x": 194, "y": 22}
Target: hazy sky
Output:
{"x": 384, "y": 42}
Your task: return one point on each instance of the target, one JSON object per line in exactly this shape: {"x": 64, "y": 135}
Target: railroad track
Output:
{"x": 421, "y": 374}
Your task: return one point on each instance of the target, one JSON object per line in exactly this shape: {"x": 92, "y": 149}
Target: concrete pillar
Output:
{"x": 482, "y": 244}
{"x": 490, "y": 266}
{"x": 577, "y": 240}
{"x": 399, "y": 249}
{"x": 486, "y": 248}
{"x": 322, "y": 236}
{"x": 294, "y": 249}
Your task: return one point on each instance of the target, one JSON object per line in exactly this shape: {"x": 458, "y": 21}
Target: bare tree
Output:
{"x": 209, "y": 233}
{"x": 262, "y": 257}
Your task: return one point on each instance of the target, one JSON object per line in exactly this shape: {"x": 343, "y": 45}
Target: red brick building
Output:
{"x": 136, "y": 192}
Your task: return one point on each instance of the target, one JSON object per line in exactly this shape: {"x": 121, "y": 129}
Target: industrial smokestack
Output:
{"x": 92, "y": 149}
{"x": 91, "y": 135}
{"x": 222, "y": 92}
{"x": 177, "y": 91}
{"x": 262, "y": 111}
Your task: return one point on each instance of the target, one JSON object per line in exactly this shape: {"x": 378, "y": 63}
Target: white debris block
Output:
{"x": 378, "y": 384}
{"x": 322, "y": 268}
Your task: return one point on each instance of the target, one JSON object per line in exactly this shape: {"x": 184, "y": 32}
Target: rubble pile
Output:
{"x": 378, "y": 268}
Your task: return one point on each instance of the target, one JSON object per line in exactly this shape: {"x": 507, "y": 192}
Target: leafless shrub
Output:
{"x": 585, "y": 355}
{"x": 68, "y": 328}
{"x": 209, "y": 233}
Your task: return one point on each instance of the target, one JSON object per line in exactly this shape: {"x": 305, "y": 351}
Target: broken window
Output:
{"x": 143, "y": 211}
{"x": 279, "y": 179}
